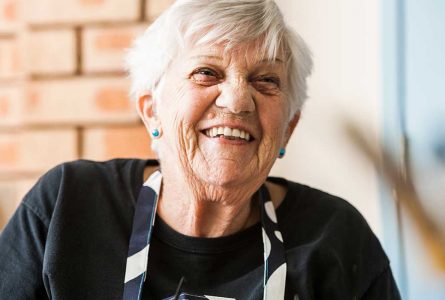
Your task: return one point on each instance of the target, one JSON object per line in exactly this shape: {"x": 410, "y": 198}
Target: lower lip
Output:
{"x": 222, "y": 140}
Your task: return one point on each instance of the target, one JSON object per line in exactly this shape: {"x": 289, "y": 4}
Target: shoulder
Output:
{"x": 328, "y": 241}
{"x": 314, "y": 207}
{"x": 86, "y": 171}
{"x": 76, "y": 179}
{"x": 311, "y": 213}
{"x": 80, "y": 168}
{"x": 341, "y": 225}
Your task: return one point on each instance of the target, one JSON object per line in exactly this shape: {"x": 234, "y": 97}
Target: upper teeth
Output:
{"x": 228, "y": 132}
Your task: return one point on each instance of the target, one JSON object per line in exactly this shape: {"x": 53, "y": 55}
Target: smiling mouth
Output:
{"x": 228, "y": 133}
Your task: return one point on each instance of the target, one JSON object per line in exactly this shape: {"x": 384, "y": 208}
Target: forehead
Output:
{"x": 251, "y": 53}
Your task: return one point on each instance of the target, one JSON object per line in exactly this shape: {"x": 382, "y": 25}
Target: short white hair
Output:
{"x": 229, "y": 22}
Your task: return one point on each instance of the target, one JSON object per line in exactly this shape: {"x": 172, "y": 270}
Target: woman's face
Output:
{"x": 224, "y": 116}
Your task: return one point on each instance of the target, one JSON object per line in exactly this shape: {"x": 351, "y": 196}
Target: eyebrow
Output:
{"x": 207, "y": 56}
{"x": 215, "y": 57}
{"x": 276, "y": 60}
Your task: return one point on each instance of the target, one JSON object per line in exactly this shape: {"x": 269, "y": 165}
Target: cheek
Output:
{"x": 181, "y": 110}
{"x": 274, "y": 120}
{"x": 188, "y": 104}
{"x": 196, "y": 102}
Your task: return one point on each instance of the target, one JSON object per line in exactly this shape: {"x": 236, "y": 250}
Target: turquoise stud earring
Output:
{"x": 282, "y": 153}
{"x": 155, "y": 133}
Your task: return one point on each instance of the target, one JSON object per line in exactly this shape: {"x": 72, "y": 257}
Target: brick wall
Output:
{"x": 63, "y": 91}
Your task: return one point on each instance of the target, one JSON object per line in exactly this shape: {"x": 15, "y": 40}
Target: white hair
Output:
{"x": 229, "y": 22}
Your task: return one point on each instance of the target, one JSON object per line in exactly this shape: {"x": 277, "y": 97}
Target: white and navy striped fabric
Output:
{"x": 143, "y": 222}
{"x": 145, "y": 212}
{"x": 275, "y": 267}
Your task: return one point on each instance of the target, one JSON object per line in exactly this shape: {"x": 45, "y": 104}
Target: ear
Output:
{"x": 291, "y": 126}
{"x": 146, "y": 109}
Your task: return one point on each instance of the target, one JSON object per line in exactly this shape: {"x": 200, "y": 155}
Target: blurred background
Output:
{"x": 378, "y": 65}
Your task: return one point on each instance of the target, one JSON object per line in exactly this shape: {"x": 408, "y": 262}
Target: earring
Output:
{"x": 155, "y": 133}
{"x": 282, "y": 153}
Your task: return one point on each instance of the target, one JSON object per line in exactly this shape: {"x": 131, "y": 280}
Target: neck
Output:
{"x": 192, "y": 215}
{"x": 207, "y": 211}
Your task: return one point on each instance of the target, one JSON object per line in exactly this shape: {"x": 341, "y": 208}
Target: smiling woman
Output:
{"x": 219, "y": 85}
{"x": 207, "y": 89}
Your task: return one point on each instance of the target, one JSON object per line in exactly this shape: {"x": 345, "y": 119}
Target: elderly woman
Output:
{"x": 219, "y": 85}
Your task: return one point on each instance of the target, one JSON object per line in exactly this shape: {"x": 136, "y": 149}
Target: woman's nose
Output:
{"x": 236, "y": 97}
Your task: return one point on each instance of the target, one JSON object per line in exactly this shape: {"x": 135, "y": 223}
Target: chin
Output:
{"x": 225, "y": 174}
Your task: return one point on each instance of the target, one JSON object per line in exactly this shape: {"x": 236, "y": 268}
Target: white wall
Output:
{"x": 344, "y": 36}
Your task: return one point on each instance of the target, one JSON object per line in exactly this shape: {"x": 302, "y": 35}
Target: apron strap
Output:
{"x": 143, "y": 222}
{"x": 144, "y": 216}
{"x": 275, "y": 267}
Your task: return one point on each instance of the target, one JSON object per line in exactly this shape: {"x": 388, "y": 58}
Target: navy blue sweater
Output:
{"x": 69, "y": 240}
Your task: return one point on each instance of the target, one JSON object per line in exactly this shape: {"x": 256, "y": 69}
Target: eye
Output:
{"x": 205, "y": 76}
{"x": 267, "y": 84}
{"x": 270, "y": 79}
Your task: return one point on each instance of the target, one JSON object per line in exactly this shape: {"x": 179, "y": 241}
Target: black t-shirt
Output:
{"x": 69, "y": 240}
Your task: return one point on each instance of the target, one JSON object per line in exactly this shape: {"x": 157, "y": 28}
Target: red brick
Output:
{"x": 9, "y": 10}
{"x": 11, "y": 194}
{"x": 113, "y": 142}
{"x": 9, "y": 152}
{"x": 80, "y": 11}
{"x": 51, "y": 52}
{"x": 79, "y": 101}
{"x": 10, "y": 106}
{"x": 154, "y": 8}
{"x": 9, "y": 16}
{"x": 10, "y": 59}
{"x": 34, "y": 151}
{"x": 8, "y": 202}
{"x": 111, "y": 100}
{"x": 103, "y": 47}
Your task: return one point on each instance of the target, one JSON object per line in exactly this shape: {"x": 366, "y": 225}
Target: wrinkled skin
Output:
{"x": 209, "y": 182}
